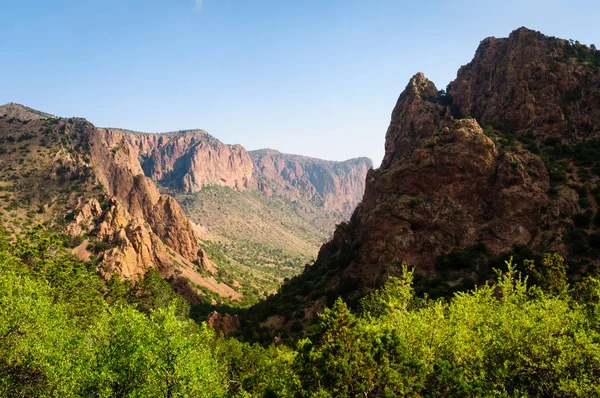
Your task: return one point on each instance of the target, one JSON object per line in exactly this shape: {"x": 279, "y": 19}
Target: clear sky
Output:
{"x": 312, "y": 77}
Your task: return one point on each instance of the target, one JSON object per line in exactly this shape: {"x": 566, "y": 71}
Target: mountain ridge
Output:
{"x": 129, "y": 224}
{"x": 472, "y": 175}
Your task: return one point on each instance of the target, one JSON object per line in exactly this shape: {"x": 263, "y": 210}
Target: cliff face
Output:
{"x": 539, "y": 83}
{"x": 136, "y": 199}
{"x": 335, "y": 186}
{"x": 508, "y": 159}
{"x": 456, "y": 191}
{"x": 187, "y": 161}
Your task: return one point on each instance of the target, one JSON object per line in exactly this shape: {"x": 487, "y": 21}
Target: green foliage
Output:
{"x": 551, "y": 276}
{"x": 257, "y": 371}
{"x": 503, "y": 340}
{"x": 582, "y": 53}
{"x": 59, "y": 337}
{"x": 66, "y": 333}
{"x": 152, "y": 292}
{"x": 396, "y": 295}
{"x": 157, "y": 356}
{"x": 338, "y": 362}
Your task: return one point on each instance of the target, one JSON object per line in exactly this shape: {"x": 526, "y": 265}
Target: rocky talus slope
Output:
{"x": 507, "y": 160}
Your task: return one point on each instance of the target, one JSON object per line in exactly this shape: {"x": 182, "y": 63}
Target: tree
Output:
{"x": 183, "y": 364}
{"x": 338, "y": 362}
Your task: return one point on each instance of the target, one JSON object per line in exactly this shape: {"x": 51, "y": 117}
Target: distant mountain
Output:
{"x": 504, "y": 162}
{"x": 262, "y": 213}
{"x": 337, "y": 187}
{"x": 189, "y": 160}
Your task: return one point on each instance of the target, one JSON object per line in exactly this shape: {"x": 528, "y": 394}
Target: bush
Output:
{"x": 576, "y": 240}
{"x": 506, "y": 340}
{"x": 581, "y": 220}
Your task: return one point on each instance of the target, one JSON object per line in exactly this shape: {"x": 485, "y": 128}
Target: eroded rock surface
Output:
{"x": 487, "y": 165}
{"x": 335, "y": 186}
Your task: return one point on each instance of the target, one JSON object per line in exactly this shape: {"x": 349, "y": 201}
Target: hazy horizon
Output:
{"x": 312, "y": 78}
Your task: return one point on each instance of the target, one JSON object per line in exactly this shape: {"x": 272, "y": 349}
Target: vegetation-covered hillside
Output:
{"x": 66, "y": 332}
{"x": 267, "y": 236}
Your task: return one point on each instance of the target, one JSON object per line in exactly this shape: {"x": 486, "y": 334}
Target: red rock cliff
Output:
{"x": 336, "y": 186}
{"x": 446, "y": 183}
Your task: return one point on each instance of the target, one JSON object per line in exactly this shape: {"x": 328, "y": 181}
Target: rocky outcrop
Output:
{"x": 190, "y": 160}
{"x": 135, "y": 248}
{"x": 539, "y": 83}
{"x": 115, "y": 210}
{"x": 223, "y": 323}
{"x": 416, "y": 116}
{"x": 457, "y": 191}
{"x": 446, "y": 184}
{"x": 335, "y": 186}
{"x": 116, "y": 163}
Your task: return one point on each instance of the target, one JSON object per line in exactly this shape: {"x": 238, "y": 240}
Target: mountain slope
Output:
{"x": 107, "y": 181}
{"x": 72, "y": 177}
{"x": 263, "y": 214}
{"x": 506, "y": 162}
{"x": 22, "y": 112}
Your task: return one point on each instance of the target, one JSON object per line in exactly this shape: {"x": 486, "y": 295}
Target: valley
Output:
{"x": 172, "y": 264}
{"x": 249, "y": 230}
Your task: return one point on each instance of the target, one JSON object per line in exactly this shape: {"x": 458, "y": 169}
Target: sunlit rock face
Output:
{"x": 447, "y": 183}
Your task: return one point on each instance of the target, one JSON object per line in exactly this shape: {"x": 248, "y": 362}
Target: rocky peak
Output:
{"x": 451, "y": 192}
{"x": 541, "y": 84}
{"x": 506, "y": 160}
{"x": 118, "y": 168}
{"x": 418, "y": 114}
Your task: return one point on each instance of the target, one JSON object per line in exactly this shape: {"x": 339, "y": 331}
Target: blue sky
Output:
{"x": 313, "y": 77}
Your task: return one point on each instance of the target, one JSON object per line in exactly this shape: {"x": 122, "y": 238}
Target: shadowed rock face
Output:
{"x": 456, "y": 193}
{"x": 223, "y": 323}
{"x": 445, "y": 184}
{"x": 336, "y": 186}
